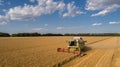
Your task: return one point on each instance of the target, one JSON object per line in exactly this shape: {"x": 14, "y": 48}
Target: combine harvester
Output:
{"x": 76, "y": 45}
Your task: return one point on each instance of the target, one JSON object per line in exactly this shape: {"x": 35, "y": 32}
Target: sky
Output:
{"x": 60, "y": 16}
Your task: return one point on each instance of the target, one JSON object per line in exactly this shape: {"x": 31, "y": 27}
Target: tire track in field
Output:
{"x": 89, "y": 61}
{"x": 100, "y": 59}
{"x": 106, "y": 59}
{"x": 116, "y": 58}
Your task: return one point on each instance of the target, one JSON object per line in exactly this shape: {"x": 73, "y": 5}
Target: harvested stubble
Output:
{"x": 103, "y": 54}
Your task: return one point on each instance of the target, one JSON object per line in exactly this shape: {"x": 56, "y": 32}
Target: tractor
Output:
{"x": 74, "y": 46}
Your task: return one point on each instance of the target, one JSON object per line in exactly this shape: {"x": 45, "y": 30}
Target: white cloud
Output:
{"x": 9, "y": 3}
{"x": 4, "y": 10}
{"x": 1, "y": 2}
{"x": 68, "y": 28}
{"x": 72, "y": 10}
{"x": 3, "y": 19}
{"x": 22, "y": 13}
{"x": 96, "y": 24}
{"x": 114, "y": 22}
{"x": 30, "y": 12}
{"x": 39, "y": 29}
{"x": 105, "y": 6}
{"x": 3, "y": 23}
{"x": 32, "y": 1}
{"x": 106, "y": 11}
{"x": 60, "y": 28}
{"x": 45, "y": 25}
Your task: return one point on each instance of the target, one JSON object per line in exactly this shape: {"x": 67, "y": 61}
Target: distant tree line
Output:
{"x": 93, "y": 34}
{"x": 25, "y": 34}
{"x": 35, "y": 34}
{"x": 52, "y": 34}
{"x": 4, "y": 34}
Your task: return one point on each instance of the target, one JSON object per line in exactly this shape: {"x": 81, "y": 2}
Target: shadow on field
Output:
{"x": 87, "y": 48}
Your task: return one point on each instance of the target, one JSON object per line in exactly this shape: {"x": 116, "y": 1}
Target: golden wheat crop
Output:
{"x": 36, "y": 51}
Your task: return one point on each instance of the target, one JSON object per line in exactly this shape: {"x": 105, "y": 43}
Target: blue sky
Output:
{"x": 60, "y": 16}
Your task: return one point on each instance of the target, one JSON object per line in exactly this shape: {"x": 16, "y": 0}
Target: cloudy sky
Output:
{"x": 60, "y": 16}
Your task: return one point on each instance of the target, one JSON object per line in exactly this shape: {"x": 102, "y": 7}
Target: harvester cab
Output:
{"x": 72, "y": 43}
{"x": 74, "y": 46}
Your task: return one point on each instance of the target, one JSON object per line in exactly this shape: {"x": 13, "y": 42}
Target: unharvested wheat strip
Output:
{"x": 99, "y": 40}
{"x": 86, "y": 59}
{"x": 109, "y": 58}
{"x": 105, "y": 60}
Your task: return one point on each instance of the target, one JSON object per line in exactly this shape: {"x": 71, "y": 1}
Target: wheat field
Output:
{"x": 41, "y": 52}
